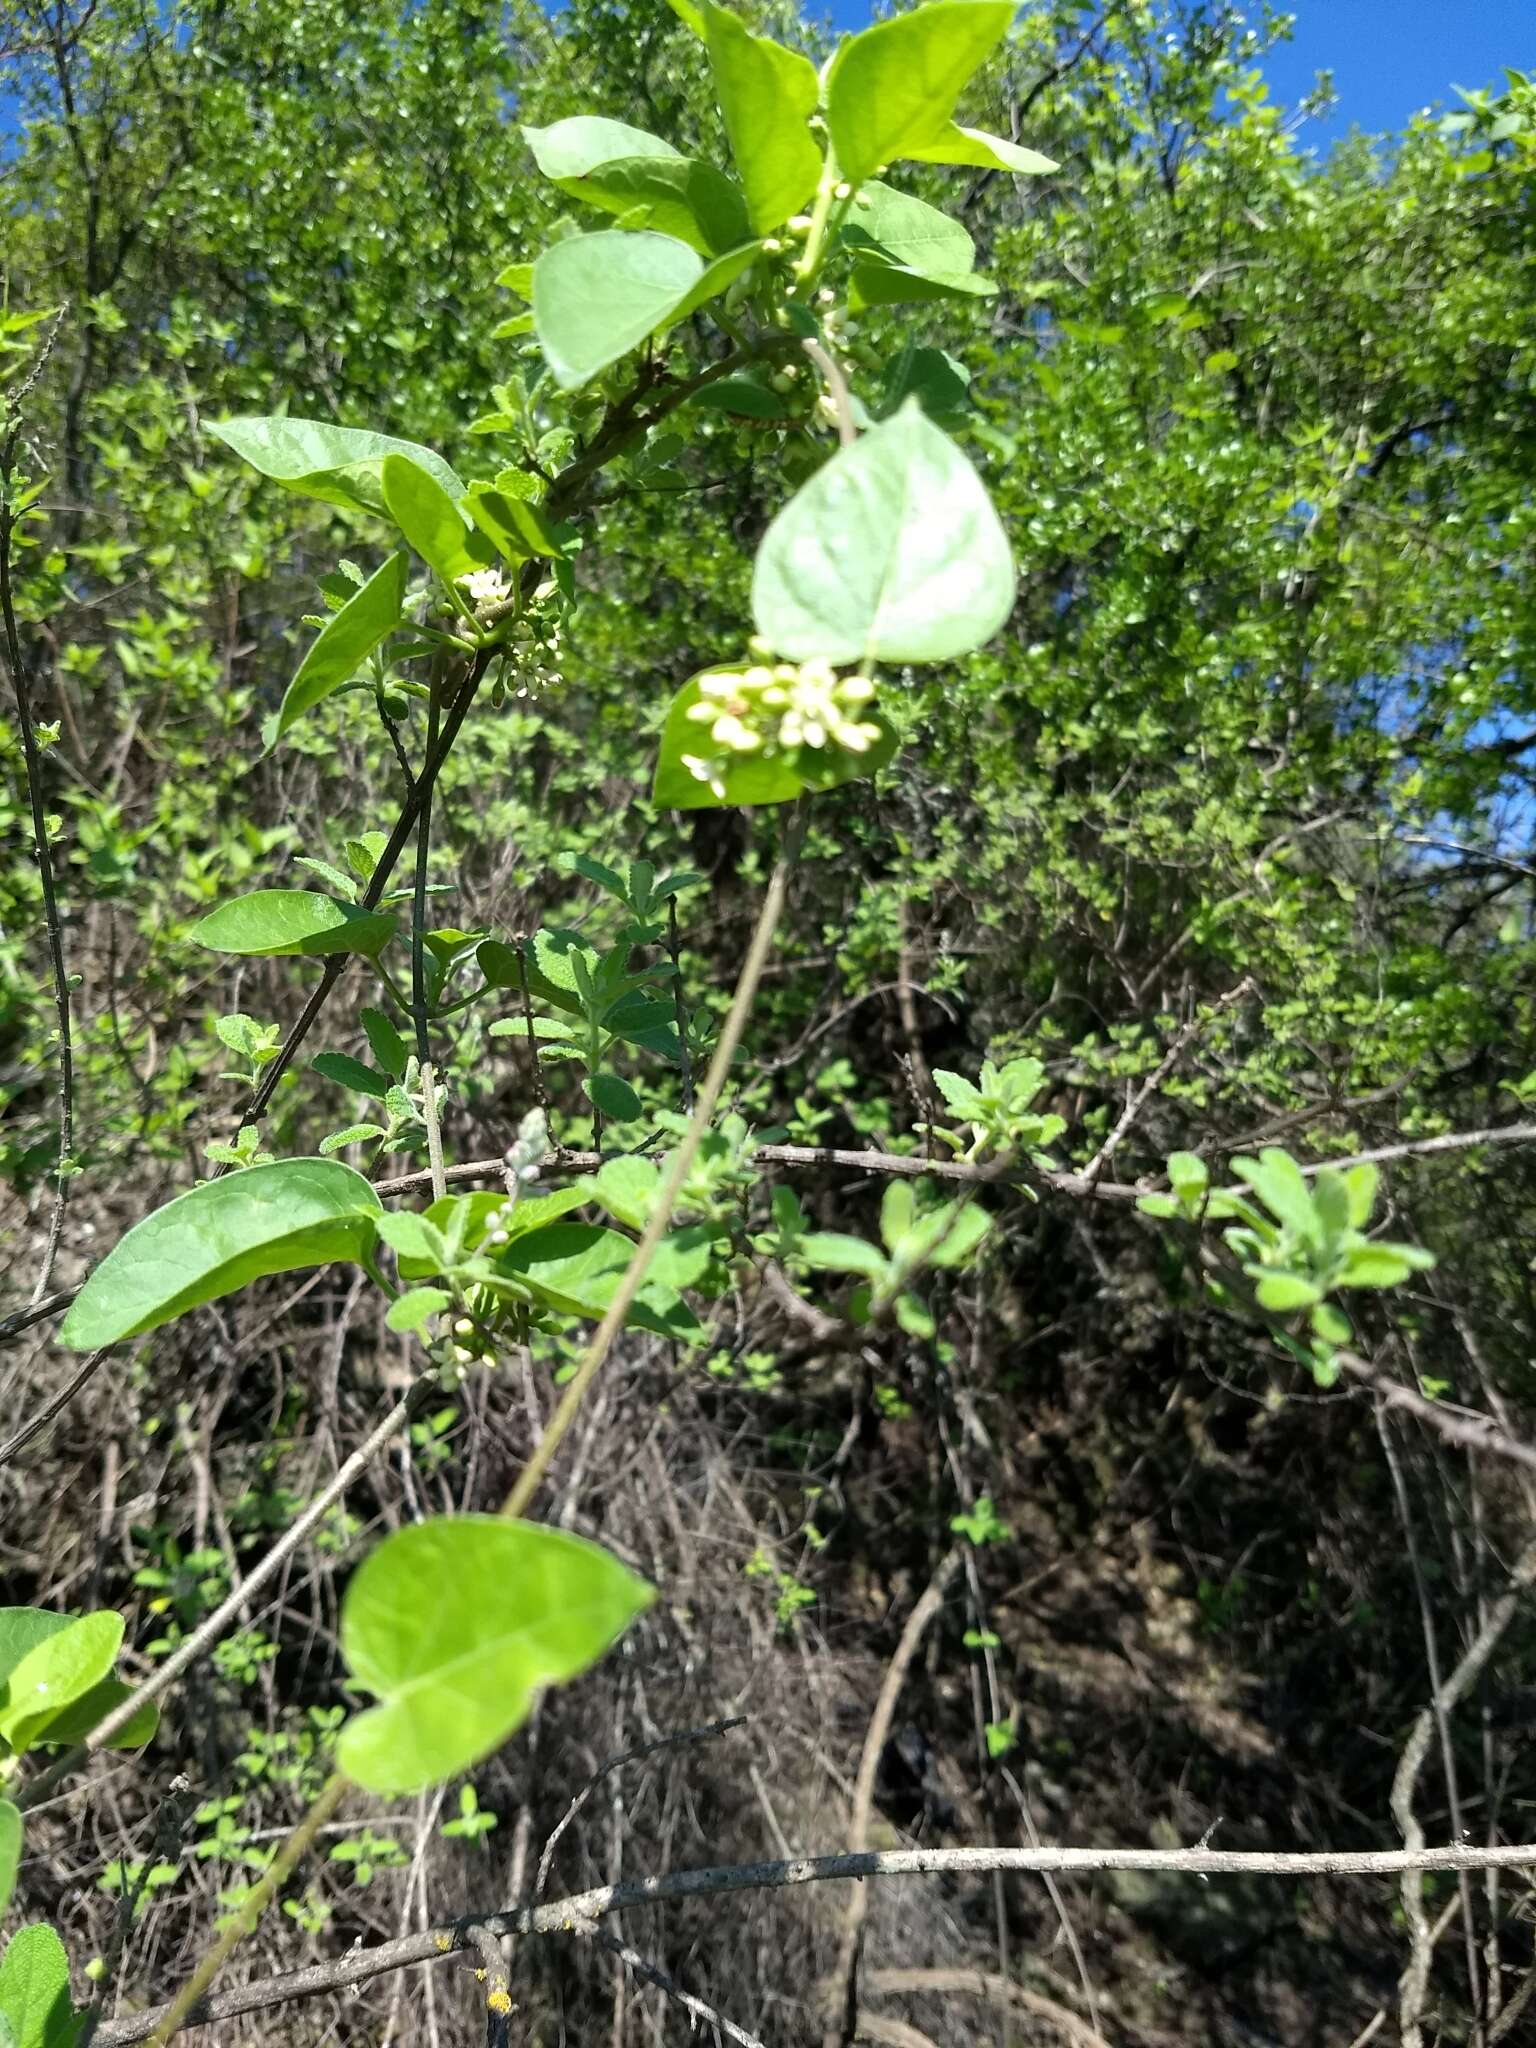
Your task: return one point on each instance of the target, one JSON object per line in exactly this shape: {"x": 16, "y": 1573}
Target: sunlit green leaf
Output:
{"x": 595, "y": 297}
{"x": 217, "y": 1238}
{"x": 892, "y": 552}
{"x": 55, "y": 1672}
{"x": 339, "y": 465}
{"x": 345, "y": 642}
{"x": 431, "y": 520}
{"x": 892, "y": 90}
{"x": 621, "y": 170}
{"x": 766, "y": 95}
{"x": 271, "y": 922}
{"x": 454, "y": 1624}
{"x": 957, "y": 145}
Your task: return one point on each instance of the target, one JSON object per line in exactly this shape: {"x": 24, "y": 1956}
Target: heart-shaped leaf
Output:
{"x": 454, "y": 1624}
{"x": 270, "y": 922}
{"x": 218, "y": 1237}
{"x": 338, "y": 465}
{"x": 595, "y": 297}
{"x": 893, "y": 89}
{"x": 345, "y": 642}
{"x": 892, "y": 552}
{"x": 64, "y": 1663}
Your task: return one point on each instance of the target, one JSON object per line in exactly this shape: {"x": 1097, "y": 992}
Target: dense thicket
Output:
{"x": 1234, "y": 823}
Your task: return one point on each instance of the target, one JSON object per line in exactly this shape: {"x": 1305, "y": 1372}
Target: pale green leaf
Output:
{"x": 974, "y": 146}
{"x": 271, "y": 922}
{"x": 338, "y": 465}
{"x": 891, "y": 552}
{"x": 217, "y": 1238}
{"x": 595, "y": 297}
{"x": 454, "y": 1624}
{"x": 892, "y": 90}
{"x": 55, "y": 1672}
{"x": 766, "y": 95}
{"x": 431, "y": 520}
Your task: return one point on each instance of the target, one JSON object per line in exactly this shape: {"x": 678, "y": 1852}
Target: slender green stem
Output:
{"x": 821, "y": 214}
{"x": 678, "y": 1167}
{"x": 330, "y": 1797}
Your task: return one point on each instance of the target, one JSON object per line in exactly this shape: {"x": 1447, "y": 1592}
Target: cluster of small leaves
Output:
{"x": 912, "y": 1238}
{"x": 997, "y": 1108}
{"x": 1298, "y": 1241}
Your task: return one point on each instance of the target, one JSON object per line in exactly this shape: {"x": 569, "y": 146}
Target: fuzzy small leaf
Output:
{"x": 34, "y": 1990}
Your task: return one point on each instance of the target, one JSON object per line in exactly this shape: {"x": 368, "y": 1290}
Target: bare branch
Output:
{"x": 568, "y": 1915}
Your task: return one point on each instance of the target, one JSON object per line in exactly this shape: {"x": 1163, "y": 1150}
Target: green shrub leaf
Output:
{"x": 217, "y": 1238}
{"x": 892, "y": 552}
{"x": 61, "y": 1666}
{"x": 454, "y": 1624}
{"x": 345, "y": 642}
{"x": 891, "y": 91}
{"x": 624, "y": 171}
{"x": 956, "y": 145}
{"x": 431, "y": 521}
{"x": 766, "y": 95}
{"x": 270, "y": 922}
{"x": 595, "y": 297}
{"x": 614, "y": 1097}
{"x": 338, "y": 465}
{"x": 576, "y": 1267}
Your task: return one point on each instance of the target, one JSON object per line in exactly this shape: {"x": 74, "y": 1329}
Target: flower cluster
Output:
{"x": 766, "y": 711}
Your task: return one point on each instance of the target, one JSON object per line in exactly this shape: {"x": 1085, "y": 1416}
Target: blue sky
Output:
{"x": 1388, "y": 57}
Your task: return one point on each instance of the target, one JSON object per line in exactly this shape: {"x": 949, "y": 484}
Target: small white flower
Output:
{"x": 485, "y": 586}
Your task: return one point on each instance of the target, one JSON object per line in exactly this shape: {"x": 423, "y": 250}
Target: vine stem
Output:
{"x": 538, "y": 1464}
{"x": 677, "y": 1172}
{"x": 578, "y": 1912}
{"x": 330, "y": 1796}
{"x": 419, "y": 1005}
